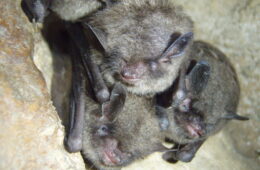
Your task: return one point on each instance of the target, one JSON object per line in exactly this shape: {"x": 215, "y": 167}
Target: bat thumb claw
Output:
{"x": 102, "y": 95}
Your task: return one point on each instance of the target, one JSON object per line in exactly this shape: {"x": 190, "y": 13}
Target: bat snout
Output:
{"x": 195, "y": 130}
{"x": 111, "y": 154}
{"x": 133, "y": 73}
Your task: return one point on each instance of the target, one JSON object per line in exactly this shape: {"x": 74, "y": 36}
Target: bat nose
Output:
{"x": 196, "y": 131}
{"x": 133, "y": 71}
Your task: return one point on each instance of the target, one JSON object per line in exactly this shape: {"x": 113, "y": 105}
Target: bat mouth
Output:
{"x": 129, "y": 80}
{"x": 191, "y": 124}
{"x": 111, "y": 154}
{"x": 132, "y": 73}
{"x": 195, "y": 131}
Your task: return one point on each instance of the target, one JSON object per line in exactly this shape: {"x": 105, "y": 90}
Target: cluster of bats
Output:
{"x": 139, "y": 79}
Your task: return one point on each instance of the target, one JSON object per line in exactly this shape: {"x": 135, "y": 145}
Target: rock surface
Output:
{"x": 31, "y": 134}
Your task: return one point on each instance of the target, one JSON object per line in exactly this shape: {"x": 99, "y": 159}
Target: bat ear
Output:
{"x": 116, "y": 102}
{"x": 99, "y": 35}
{"x": 235, "y": 116}
{"x": 198, "y": 76}
{"x": 177, "y": 47}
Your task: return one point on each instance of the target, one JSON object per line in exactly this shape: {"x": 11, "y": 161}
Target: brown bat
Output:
{"x": 113, "y": 132}
{"x": 206, "y": 99}
{"x": 116, "y": 134}
{"x": 140, "y": 46}
{"x": 125, "y": 128}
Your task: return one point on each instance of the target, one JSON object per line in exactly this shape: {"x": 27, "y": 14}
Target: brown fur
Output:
{"x": 139, "y": 32}
{"x": 218, "y": 99}
{"x": 136, "y": 128}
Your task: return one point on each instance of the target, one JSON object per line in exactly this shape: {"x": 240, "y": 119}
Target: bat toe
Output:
{"x": 73, "y": 144}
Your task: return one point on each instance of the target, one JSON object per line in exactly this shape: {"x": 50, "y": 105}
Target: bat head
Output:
{"x": 191, "y": 123}
{"x": 107, "y": 147}
{"x": 121, "y": 130}
{"x": 144, "y": 43}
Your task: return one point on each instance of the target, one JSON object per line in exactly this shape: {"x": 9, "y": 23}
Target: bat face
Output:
{"x": 106, "y": 147}
{"x": 145, "y": 43}
{"x": 192, "y": 124}
{"x": 143, "y": 75}
{"x": 216, "y": 98}
{"x": 131, "y": 134}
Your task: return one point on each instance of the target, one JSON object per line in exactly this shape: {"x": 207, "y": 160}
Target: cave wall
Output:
{"x": 31, "y": 135}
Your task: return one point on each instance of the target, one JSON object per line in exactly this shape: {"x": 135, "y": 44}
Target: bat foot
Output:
{"x": 103, "y": 95}
{"x": 184, "y": 156}
{"x": 36, "y": 10}
{"x": 73, "y": 144}
{"x": 169, "y": 157}
{"x": 173, "y": 157}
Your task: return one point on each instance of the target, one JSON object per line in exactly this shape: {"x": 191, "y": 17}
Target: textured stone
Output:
{"x": 31, "y": 135}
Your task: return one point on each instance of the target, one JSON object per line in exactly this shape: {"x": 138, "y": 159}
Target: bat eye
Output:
{"x": 153, "y": 65}
{"x": 165, "y": 60}
{"x": 103, "y": 130}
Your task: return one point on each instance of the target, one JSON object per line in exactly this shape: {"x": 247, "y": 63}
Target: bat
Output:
{"x": 206, "y": 99}
{"x": 112, "y": 134}
{"x": 143, "y": 44}
{"x": 144, "y": 57}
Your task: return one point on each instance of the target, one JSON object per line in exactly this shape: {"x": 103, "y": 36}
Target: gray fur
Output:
{"x": 69, "y": 10}
{"x": 135, "y": 127}
{"x": 153, "y": 37}
{"x": 219, "y": 98}
{"x": 72, "y": 10}
{"x": 139, "y": 32}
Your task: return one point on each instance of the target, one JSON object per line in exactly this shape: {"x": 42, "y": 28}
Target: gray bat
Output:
{"x": 126, "y": 127}
{"x": 116, "y": 133}
{"x": 144, "y": 43}
{"x": 141, "y": 45}
{"x": 113, "y": 132}
{"x": 206, "y": 99}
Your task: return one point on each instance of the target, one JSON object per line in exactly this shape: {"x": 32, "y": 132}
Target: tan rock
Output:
{"x": 31, "y": 135}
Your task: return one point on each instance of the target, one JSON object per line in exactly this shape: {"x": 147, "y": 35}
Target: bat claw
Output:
{"x": 103, "y": 95}
{"x": 184, "y": 156}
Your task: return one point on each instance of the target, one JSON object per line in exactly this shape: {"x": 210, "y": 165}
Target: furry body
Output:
{"x": 135, "y": 34}
{"x": 216, "y": 104}
{"x": 134, "y": 131}
{"x": 136, "y": 126}
{"x": 219, "y": 98}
